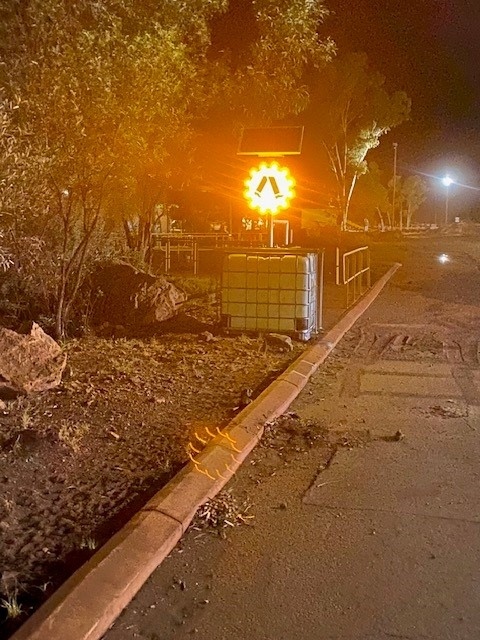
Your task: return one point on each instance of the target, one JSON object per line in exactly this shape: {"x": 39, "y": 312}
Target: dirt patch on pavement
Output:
{"x": 77, "y": 462}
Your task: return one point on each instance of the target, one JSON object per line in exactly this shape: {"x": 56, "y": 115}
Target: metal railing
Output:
{"x": 171, "y": 248}
{"x": 177, "y": 244}
{"x": 353, "y": 272}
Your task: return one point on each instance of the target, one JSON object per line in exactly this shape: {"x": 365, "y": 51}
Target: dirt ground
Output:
{"x": 76, "y": 462}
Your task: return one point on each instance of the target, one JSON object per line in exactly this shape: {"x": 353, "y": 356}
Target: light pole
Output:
{"x": 395, "y": 147}
{"x": 447, "y": 181}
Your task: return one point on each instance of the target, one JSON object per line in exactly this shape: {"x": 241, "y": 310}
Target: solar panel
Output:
{"x": 271, "y": 141}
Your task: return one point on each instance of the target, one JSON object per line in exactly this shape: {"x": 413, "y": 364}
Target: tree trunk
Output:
{"x": 130, "y": 240}
{"x": 409, "y": 216}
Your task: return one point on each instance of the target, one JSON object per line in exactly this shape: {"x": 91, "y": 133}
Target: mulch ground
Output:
{"x": 77, "y": 462}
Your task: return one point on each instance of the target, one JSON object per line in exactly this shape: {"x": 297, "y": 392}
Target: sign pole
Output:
{"x": 270, "y": 230}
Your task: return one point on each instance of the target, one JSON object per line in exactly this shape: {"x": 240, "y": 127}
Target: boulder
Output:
{"x": 30, "y": 361}
{"x": 127, "y": 297}
{"x": 279, "y": 340}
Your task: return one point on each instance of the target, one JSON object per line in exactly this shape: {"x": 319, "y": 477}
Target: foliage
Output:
{"x": 270, "y": 83}
{"x": 13, "y": 609}
{"x": 99, "y": 103}
{"x": 354, "y": 110}
{"x": 29, "y": 285}
{"x": 371, "y": 195}
{"x": 10, "y": 589}
{"x": 93, "y": 97}
{"x": 410, "y": 194}
{"x": 5, "y": 256}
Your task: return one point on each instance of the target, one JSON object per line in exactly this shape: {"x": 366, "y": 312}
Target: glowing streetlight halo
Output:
{"x": 447, "y": 180}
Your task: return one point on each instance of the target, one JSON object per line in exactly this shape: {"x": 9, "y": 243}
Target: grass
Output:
{"x": 26, "y": 419}
{"x": 12, "y": 607}
{"x": 88, "y": 543}
{"x": 9, "y": 588}
{"x": 72, "y": 433}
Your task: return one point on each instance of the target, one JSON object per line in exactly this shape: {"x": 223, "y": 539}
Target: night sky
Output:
{"x": 430, "y": 49}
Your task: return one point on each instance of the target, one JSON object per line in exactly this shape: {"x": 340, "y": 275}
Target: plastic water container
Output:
{"x": 268, "y": 290}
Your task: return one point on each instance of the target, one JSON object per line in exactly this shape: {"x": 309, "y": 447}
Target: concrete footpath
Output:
{"x": 377, "y": 538}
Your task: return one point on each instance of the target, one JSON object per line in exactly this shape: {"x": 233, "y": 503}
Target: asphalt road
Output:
{"x": 379, "y": 537}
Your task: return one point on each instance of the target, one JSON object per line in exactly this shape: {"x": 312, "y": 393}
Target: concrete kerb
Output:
{"x": 87, "y": 603}
{"x": 90, "y": 601}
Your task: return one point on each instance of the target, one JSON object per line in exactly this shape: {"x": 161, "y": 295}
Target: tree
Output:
{"x": 102, "y": 100}
{"x": 269, "y": 81}
{"x": 412, "y": 193}
{"x": 101, "y": 92}
{"x": 353, "y": 110}
{"x": 370, "y": 199}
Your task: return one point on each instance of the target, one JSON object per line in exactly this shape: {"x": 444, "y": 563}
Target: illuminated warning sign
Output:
{"x": 269, "y": 188}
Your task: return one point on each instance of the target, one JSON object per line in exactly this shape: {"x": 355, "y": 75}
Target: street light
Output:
{"x": 447, "y": 181}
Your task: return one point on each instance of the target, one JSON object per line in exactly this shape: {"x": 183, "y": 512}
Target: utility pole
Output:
{"x": 447, "y": 181}
{"x": 395, "y": 147}
{"x": 446, "y": 206}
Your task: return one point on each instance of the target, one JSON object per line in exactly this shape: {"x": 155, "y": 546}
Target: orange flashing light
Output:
{"x": 269, "y": 188}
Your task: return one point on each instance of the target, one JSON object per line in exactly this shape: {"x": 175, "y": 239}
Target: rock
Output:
{"x": 29, "y": 362}
{"x": 245, "y": 398}
{"x": 279, "y": 340}
{"x": 209, "y": 337}
{"x": 162, "y": 301}
{"x": 126, "y": 297}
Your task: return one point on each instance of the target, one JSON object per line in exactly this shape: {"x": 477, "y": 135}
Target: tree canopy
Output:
{"x": 411, "y": 193}
{"x": 370, "y": 198}
{"x": 354, "y": 109}
{"x": 99, "y": 103}
{"x": 270, "y": 82}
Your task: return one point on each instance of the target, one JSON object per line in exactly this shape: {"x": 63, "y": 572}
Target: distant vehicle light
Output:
{"x": 443, "y": 258}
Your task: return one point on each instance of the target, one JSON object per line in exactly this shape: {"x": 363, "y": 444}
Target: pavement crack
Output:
{"x": 324, "y": 466}
{"x": 471, "y": 427}
{"x": 159, "y": 511}
{"x": 402, "y": 636}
